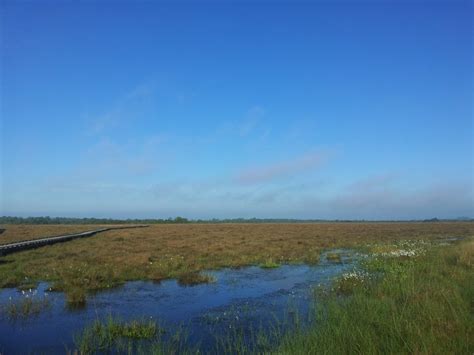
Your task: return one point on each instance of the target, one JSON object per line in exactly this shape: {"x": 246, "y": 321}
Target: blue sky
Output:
{"x": 342, "y": 109}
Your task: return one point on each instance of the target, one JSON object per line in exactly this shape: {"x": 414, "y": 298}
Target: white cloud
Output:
{"x": 116, "y": 113}
{"x": 266, "y": 173}
{"x": 252, "y": 118}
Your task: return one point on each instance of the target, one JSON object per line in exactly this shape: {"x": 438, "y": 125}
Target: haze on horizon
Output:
{"x": 325, "y": 110}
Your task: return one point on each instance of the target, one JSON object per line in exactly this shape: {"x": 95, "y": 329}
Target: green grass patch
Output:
{"x": 114, "y": 335}
{"x": 269, "y": 264}
{"x": 420, "y": 305}
{"x": 25, "y": 307}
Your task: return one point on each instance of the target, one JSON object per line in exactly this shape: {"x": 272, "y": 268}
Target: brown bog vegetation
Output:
{"x": 183, "y": 250}
{"x": 20, "y": 232}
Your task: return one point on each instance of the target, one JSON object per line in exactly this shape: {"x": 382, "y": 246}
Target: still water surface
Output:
{"x": 245, "y": 298}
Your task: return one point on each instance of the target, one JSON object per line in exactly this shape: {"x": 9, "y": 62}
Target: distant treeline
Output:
{"x": 70, "y": 220}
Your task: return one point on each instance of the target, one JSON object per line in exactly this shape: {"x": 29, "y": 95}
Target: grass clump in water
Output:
{"x": 114, "y": 335}
{"x": 195, "y": 278}
{"x": 312, "y": 258}
{"x": 334, "y": 257}
{"x": 269, "y": 264}
{"x": 76, "y": 298}
{"x": 28, "y": 286}
{"x": 77, "y": 281}
{"x": 28, "y": 305}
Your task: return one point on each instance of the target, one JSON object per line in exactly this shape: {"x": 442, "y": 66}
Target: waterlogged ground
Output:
{"x": 246, "y": 299}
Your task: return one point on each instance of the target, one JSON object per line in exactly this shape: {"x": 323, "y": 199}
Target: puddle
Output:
{"x": 246, "y": 298}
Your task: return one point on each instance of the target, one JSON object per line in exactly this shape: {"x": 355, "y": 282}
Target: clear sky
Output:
{"x": 324, "y": 109}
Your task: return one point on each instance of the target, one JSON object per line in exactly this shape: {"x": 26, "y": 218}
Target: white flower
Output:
{"x": 402, "y": 252}
{"x": 356, "y": 275}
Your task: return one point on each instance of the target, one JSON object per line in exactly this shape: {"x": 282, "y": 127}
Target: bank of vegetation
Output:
{"x": 401, "y": 303}
{"x": 183, "y": 251}
{"x": 406, "y": 298}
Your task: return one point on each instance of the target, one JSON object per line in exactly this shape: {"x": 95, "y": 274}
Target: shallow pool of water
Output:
{"x": 245, "y": 298}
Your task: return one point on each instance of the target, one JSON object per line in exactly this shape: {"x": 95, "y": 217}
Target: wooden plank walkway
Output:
{"x": 36, "y": 243}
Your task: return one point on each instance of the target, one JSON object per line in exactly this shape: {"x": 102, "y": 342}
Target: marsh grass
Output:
{"x": 312, "y": 257}
{"x": 84, "y": 266}
{"x": 269, "y": 264}
{"x": 76, "y": 298}
{"x": 349, "y": 282}
{"x": 27, "y": 286}
{"x": 144, "y": 336}
{"x": 334, "y": 257}
{"x": 114, "y": 335}
{"x": 77, "y": 281}
{"x": 21, "y": 232}
{"x": 262, "y": 338}
{"x": 394, "y": 305}
{"x": 419, "y": 305}
{"x": 238, "y": 340}
{"x": 26, "y": 306}
{"x": 195, "y": 278}
{"x": 465, "y": 257}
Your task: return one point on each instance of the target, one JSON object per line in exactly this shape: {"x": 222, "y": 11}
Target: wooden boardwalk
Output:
{"x": 36, "y": 243}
